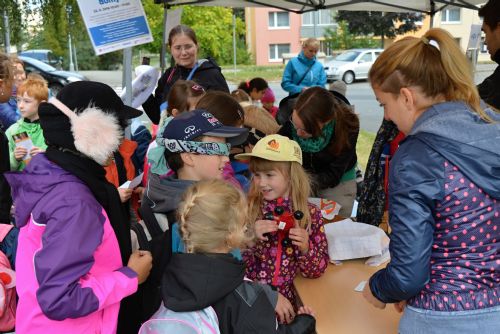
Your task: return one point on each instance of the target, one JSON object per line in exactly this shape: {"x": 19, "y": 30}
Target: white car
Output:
{"x": 351, "y": 65}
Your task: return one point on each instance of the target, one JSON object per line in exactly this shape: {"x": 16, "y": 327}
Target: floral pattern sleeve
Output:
{"x": 314, "y": 263}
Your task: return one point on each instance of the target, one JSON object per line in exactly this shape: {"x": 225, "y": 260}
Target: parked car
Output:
{"x": 351, "y": 65}
{"x": 46, "y": 56}
{"x": 56, "y": 79}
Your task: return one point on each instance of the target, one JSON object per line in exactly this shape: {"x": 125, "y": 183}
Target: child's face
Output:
{"x": 209, "y": 167}
{"x": 257, "y": 94}
{"x": 272, "y": 184}
{"x": 28, "y": 107}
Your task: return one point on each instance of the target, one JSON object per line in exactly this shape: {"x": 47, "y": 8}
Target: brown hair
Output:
{"x": 224, "y": 107}
{"x": 256, "y": 83}
{"x": 437, "y": 70}
{"x": 212, "y": 215}
{"x": 316, "y": 105}
{"x": 241, "y": 96}
{"x": 6, "y": 72}
{"x": 491, "y": 13}
{"x": 300, "y": 188}
{"x": 311, "y": 42}
{"x": 35, "y": 86}
{"x": 184, "y": 30}
{"x": 180, "y": 93}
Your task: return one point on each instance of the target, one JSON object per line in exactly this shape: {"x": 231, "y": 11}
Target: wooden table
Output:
{"x": 341, "y": 310}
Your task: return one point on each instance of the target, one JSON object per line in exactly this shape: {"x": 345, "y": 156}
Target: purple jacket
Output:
{"x": 69, "y": 273}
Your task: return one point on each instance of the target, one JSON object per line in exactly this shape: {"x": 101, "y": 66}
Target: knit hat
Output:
{"x": 268, "y": 96}
{"x": 275, "y": 148}
{"x": 85, "y": 117}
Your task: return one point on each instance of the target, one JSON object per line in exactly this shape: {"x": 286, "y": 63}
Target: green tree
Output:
{"x": 383, "y": 24}
{"x": 14, "y": 11}
{"x": 213, "y": 26}
{"x": 343, "y": 39}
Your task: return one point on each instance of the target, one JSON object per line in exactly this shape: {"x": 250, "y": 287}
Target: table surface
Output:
{"x": 341, "y": 310}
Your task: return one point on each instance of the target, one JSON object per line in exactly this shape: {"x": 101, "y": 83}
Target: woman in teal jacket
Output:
{"x": 305, "y": 70}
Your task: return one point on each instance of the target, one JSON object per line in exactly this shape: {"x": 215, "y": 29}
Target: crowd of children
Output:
{"x": 222, "y": 220}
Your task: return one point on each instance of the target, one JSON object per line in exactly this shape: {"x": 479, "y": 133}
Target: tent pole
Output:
{"x": 164, "y": 39}
{"x": 433, "y": 12}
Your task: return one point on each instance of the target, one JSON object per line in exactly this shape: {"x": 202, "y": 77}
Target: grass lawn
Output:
{"x": 247, "y": 72}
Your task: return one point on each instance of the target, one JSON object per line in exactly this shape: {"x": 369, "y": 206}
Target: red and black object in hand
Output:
{"x": 285, "y": 221}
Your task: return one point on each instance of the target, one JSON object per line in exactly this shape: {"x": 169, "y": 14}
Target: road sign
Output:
{"x": 115, "y": 24}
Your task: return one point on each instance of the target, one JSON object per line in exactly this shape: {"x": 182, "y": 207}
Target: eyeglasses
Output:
{"x": 186, "y": 47}
{"x": 296, "y": 127}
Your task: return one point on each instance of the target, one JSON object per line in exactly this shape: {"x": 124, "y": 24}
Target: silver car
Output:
{"x": 351, "y": 65}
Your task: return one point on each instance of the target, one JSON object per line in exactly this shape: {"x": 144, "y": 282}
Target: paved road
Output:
{"x": 359, "y": 93}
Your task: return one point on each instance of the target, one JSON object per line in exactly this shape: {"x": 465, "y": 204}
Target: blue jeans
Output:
{"x": 420, "y": 321}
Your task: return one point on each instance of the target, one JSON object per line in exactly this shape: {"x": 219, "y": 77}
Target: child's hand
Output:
{"x": 139, "y": 191}
{"x": 284, "y": 310}
{"x": 141, "y": 262}
{"x": 367, "y": 294}
{"x": 125, "y": 194}
{"x": 19, "y": 153}
{"x": 35, "y": 150}
{"x": 264, "y": 226}
{"x": 306, "y": 310}
{"x": 300, "y": 238}
{"x": 400, "y": 307}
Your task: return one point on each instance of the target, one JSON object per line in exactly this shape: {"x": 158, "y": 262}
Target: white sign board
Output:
{"x": 115, "y": 24}
{"x": 173, "y": 19}
{"x": 475, "y": 36}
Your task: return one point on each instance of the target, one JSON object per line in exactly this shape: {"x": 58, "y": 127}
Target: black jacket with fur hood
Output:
{"x": 208, "y": 75}
{"x": 195, "y": 281}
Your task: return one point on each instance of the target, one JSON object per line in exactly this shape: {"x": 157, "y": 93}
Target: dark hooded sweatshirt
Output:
{"x": 195, "y": 281}
{"x": 208, "y": 75}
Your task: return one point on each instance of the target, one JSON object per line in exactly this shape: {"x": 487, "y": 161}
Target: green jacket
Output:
{"x": 34, "y": 131}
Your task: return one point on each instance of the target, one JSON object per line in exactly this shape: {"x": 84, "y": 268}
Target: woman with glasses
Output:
{"x": 183, "y": 46}
{"x": 327, "y": 131}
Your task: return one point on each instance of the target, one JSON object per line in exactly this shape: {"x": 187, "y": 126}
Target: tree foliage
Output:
{"x": 343, "y": 39}
{"x": 213, "y": 27}
{"x": 383, "y": 24}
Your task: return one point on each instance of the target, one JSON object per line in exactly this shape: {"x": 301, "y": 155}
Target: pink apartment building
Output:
{"x": 273, "y": 32}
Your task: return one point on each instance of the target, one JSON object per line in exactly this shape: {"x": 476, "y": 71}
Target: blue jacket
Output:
{"x": 444, "y": 191}
{"x": 295, "y": 70}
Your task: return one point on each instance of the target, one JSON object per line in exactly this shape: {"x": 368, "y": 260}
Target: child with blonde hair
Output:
{"x": 207, "y": 279}
{"x": 281, "y": 186}
{"x": 30, "y": 94}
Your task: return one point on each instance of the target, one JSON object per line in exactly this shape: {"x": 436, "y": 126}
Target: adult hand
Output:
{"x": 141, "y": 262}
{"x": 19, "y": 153}
{"x": 367, "y": 293}
{"x": 125, "y": 194}
{"x": 300, "y": 238}
{"x": 284, "y": 310}
{"x": 306, "y": 310}
{"x": 35, "y": 150}
{"x": 264, "y": 226}
{"x": 400, "y": 306}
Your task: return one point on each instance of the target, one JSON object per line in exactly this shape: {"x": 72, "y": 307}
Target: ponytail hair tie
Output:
{"x": 248, "y": 84}
{"x": 431, "y": 42}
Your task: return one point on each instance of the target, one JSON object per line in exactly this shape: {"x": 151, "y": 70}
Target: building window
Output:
{"x": 325, "y": 17}
{"x": 279, "y": 20}
{"x": 321, "y": 17}
{"x": 308, "y": 19}
{"x": 276, "y": 51}
{"x": 451, "y": 15}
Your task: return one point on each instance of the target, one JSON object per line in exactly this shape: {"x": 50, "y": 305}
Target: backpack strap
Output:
{"x": 141, "y": 236}
{"x": 149, "y": 219}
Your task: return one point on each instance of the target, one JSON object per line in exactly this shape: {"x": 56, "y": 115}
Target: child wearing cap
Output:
{"x": 29, "y": 95}
{"x": 197, "y": 148}
{"x": 268, "y": 102}
{"x": 280, "y": 185}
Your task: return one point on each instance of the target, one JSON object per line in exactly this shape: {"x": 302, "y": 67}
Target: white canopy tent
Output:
{"x": 429, "y": 7}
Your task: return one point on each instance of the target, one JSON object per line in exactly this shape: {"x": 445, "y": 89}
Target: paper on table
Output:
{"x": 132, "y": 184}
{"x": 360, "y": 286}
